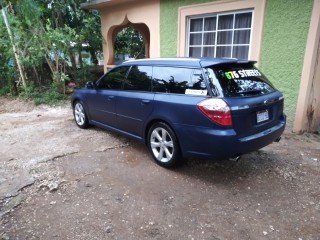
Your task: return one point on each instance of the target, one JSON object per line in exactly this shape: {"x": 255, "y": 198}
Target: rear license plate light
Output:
{"x": 262, "y": 116}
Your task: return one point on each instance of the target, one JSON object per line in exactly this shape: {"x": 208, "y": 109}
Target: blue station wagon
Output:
{"x": 185, "y": 107}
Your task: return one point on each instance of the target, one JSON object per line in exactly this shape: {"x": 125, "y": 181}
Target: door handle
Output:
{"x": 145, "y": 102}
{"x": 110, "y": 98}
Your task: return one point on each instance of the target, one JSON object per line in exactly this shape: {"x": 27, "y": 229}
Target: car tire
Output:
{"x": 163, "y": 145}
{"x": 80, "y": 115}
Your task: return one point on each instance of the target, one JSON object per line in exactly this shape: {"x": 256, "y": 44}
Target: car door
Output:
{"x": 102, "y": 101}
{"x": 135, "y": 101}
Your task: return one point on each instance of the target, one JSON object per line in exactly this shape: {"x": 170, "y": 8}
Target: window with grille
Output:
{"x": 220, "y": 35}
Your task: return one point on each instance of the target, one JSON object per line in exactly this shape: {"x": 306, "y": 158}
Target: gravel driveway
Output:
{"x": 61, "y": 182}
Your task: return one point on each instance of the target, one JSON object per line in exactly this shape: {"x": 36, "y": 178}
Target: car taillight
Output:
{"x": 217, "y": 110}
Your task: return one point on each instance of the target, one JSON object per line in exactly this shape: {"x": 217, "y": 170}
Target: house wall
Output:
{"x": 284, "y": 38}
{"x": 308, "y": 107}
{"x": 144, "y": 15}
{"x": 224, "y": 6}
{"x": 283, "y": 47}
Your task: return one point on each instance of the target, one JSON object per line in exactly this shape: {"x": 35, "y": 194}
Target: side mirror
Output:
{"x": 90, "y": 85}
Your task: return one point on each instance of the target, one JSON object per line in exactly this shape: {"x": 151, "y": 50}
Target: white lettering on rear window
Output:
{"x": 242, "y": 73}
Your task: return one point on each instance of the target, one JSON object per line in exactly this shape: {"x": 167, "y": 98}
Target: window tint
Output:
{"x": 178, "y": 80}
{"x": 139, "y": 78}
{"x": 114, "y": 78}
{"x": 240, "y": 81}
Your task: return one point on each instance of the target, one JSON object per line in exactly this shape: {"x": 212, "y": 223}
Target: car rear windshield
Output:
{"x": 241, "y": 80}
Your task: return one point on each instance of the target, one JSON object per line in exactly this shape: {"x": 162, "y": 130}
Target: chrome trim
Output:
{"x": 264, "y": 103}
{"x": 240, "y": 107}
{"x": 261, "y": 134}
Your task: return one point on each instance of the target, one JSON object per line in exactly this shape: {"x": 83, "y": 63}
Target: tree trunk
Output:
{"x": 51, "y": 65}
{"x": 94, "y": 56}
{"x": 73, "y": 61}
{"x": 36, "y": 75}
{"x": 22, "y": 73}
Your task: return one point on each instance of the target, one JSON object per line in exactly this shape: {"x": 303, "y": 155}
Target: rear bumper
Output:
{"x": 223, "y": 144}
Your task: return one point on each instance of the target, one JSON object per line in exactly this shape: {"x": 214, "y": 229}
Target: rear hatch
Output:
{"x": 255, "y": 103}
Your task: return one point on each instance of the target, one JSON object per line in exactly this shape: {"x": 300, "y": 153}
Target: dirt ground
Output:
{"x": 61, "y": 182}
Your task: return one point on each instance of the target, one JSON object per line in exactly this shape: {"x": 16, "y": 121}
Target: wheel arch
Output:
{"x": 76, "y": 99}
{"x": 158, "y": 120}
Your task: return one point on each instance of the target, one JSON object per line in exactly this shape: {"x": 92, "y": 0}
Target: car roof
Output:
{"x": 185, "y": 61}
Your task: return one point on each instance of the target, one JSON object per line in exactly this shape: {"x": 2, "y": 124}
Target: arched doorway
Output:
{"x": 129, "y": 44}
{"x": 112, "y": 35}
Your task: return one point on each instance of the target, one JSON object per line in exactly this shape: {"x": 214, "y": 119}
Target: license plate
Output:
{"x": 262, "y": 116}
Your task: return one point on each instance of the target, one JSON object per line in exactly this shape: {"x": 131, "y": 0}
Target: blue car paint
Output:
{"x": 131, "y": 113}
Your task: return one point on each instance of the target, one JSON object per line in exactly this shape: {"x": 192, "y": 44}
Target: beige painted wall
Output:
{"x": 314, "y": 124}
{"x": 145, "y": 12}
{"x": 308, "y": 107}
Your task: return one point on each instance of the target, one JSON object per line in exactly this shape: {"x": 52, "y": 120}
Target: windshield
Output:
{"x": 238, "y": 81}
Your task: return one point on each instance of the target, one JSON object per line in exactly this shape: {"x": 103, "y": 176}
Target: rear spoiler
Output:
{"x": 207, "y": 62}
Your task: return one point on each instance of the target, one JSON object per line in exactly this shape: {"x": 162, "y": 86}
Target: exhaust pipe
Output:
{"x": 235, "y": 158}
{"x": 278, "y": 139}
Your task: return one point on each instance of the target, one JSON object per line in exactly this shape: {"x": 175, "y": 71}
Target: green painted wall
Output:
{"x": 283, "y": 46}
{"x": 169, "y": 24}
{"x": 284, "y": 41}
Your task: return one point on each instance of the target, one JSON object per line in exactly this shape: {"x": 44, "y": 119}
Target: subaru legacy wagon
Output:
{"x": 185, "y": 107}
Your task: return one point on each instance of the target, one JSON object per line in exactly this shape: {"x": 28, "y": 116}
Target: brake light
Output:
{"x": 217, "y": 110}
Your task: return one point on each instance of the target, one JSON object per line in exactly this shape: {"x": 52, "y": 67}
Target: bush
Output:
{"x": 5, "y": 90}
{"x": 44, "y": 95}
{"x": 7, "y": 85}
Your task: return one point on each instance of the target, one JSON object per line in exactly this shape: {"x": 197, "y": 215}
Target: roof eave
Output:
{"x": 95, "y": 4}
{"x": 98, "y": 4}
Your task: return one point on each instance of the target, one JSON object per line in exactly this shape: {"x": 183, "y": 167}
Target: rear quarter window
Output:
{"x": 239, "y": 81}
{"x": 179, "y": 80}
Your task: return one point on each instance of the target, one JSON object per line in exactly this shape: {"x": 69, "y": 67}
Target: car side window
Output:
{"x": 139, "y": 78}
{"x": 197, "y": 80}
{"x": 114, "y": 78}
{"x": 178, "y": 80}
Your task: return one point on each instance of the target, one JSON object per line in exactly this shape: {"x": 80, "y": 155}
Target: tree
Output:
{"x": 14, "y": 47}
{"x": 129, "y": 41}
{"x": 85, "y": 23}
{"x": 7, "y": 84}
{"x": 48, "y": 34}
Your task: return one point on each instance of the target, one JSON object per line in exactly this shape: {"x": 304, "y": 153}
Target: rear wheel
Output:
{"x": 163, "y": 145}
{"x": 80, "y": 115}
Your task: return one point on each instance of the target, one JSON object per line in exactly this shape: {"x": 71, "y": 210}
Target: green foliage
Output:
{"x": 6, "y": 63}
{"x": 44, "y": 95}
{"x": 47, "y": 35}
{"x": 7, "y": 81}
{"x": 129, "y": 41}
{"x": 4, "y": 91}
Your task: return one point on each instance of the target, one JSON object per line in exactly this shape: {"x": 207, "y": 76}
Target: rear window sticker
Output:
{"x": 196, "y": 92}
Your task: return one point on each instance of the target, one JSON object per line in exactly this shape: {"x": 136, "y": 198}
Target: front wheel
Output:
{"x": 80, "y": 115}
{"x": 163, "y": 145}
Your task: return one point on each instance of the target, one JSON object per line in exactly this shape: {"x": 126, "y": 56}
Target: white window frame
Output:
{"x": 215, "y": 45}
{"x": 258, "y": 6}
